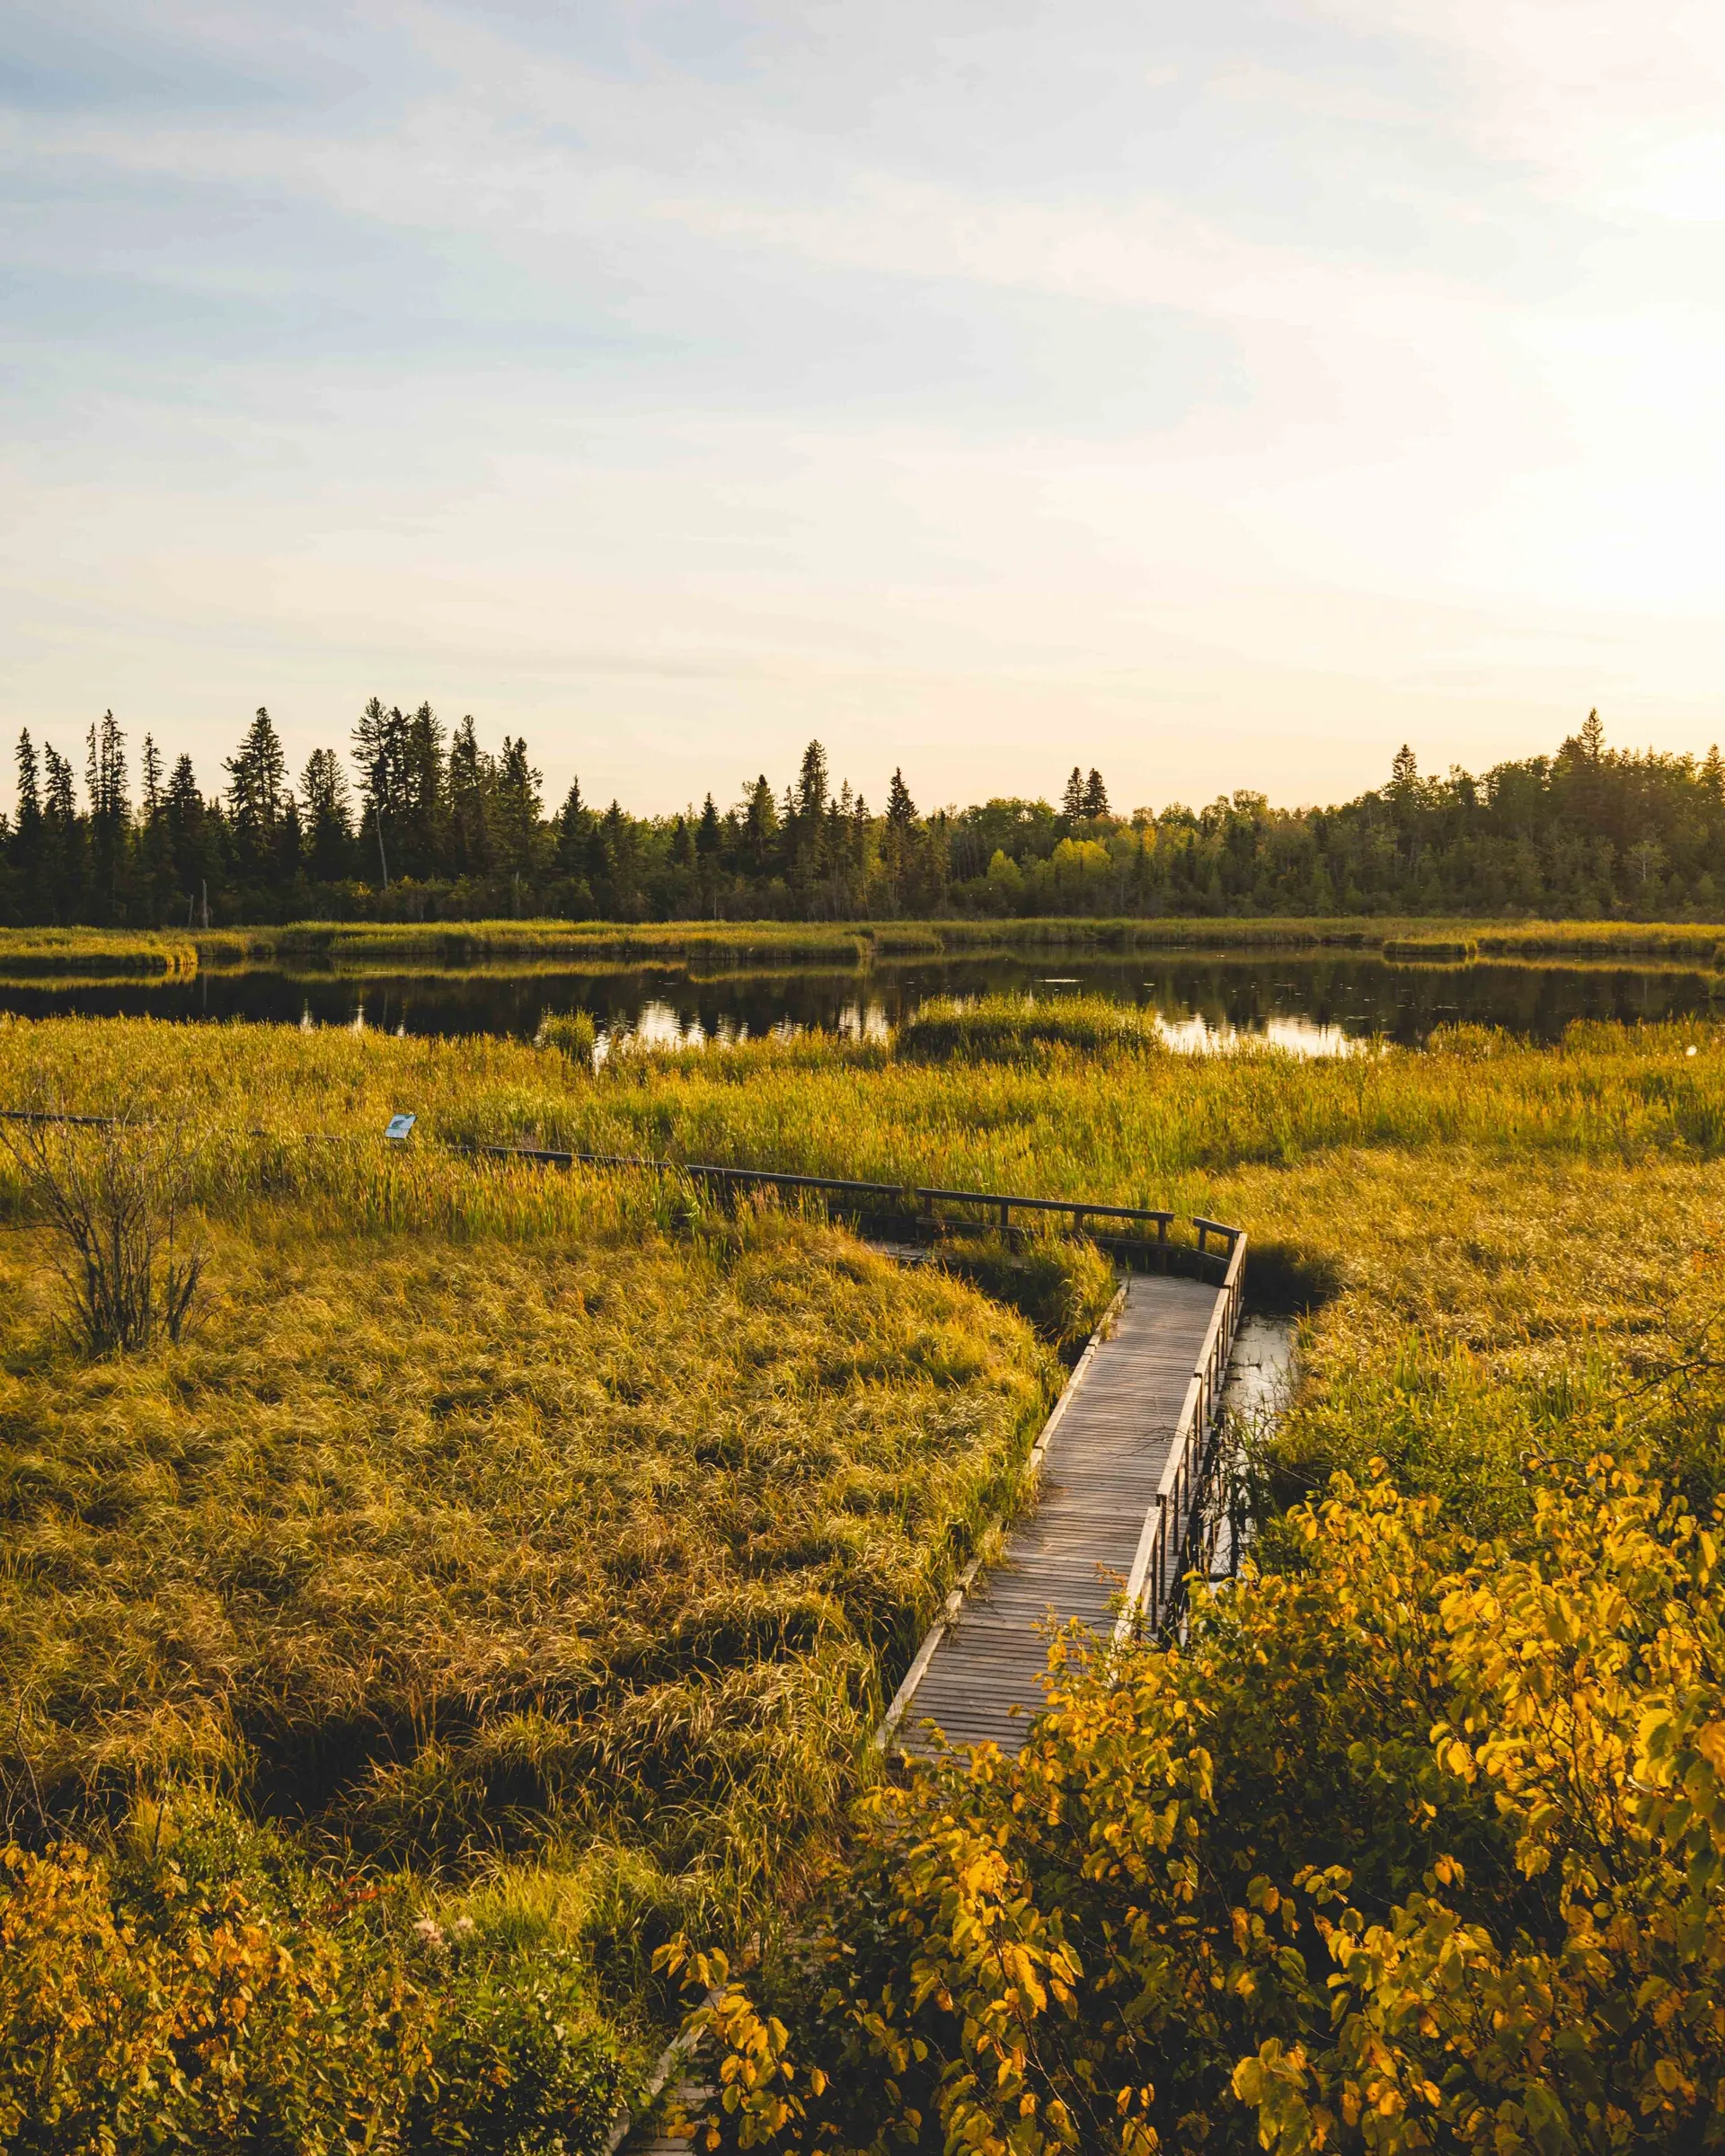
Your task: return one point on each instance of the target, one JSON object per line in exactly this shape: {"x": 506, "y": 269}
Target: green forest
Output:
{"x": 421, "y": 823}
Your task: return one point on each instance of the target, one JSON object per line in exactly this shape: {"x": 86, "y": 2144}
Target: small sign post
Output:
{"x": 400, "y": 1129}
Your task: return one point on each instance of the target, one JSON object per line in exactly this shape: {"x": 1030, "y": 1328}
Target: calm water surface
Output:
{"x": 1313, "y": 1005}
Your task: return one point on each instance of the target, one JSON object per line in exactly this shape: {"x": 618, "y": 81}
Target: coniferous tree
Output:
{"x": 27, "y": 831}
{"x": 156, "y": 878}
{"x": 380, "y": 762}
{"x": 191, "y": 840}
{"x": 471, "y": 780}
{"x": 760, "y": 829}
{"x": 109, "y": 822}
{"x": 573, "y": 832}
{"x": 898, "y": 847}
{"x": 327, "y": 817}
{"x": 516, "y": 814}
{"x": 256, "y": 804}
{"x": 421, "y": 843}
{"x": 709, "y": 853}
{"x": 61, "y": 847}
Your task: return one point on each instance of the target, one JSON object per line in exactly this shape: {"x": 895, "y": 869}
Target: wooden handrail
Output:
{"x": 1150, "y": 1593}
{"x": 1002, "y": 1203}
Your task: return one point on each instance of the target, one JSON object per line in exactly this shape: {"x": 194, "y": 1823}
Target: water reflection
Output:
{"x": 1323, "y": 1005}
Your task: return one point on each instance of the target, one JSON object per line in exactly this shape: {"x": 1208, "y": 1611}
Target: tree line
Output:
{"x": 420, "y": 822}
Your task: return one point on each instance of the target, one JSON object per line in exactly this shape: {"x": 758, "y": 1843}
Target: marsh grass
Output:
{"x": 1011, "y": 1029}
{"x": 552, "y": 1537}
{"x": 451, "y": 1551}
{"x": 117, "y": 953}
{"x": 96, "y": 953}
{"x": 491, "y": 943}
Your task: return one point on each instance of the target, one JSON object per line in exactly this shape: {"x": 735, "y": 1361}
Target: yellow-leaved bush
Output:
{"x": 211, "y": 1993}
{"x": 1417, "y": 1844}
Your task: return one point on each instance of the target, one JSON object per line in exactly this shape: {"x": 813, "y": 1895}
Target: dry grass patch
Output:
{"x": 458, "y": 1548}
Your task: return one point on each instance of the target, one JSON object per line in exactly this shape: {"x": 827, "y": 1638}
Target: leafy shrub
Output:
{"x": 212, "y": 1994}
{"x": 1420, "y": 1846}
{"x": 573, "y": 1034}
{"x": 519, "y": 2068}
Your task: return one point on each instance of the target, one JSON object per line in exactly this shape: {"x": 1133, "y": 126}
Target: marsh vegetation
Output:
{"x": 500, "y": 1580}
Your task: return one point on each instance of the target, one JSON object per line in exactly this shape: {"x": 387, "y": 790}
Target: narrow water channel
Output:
{"x": 1255, "y": 1396}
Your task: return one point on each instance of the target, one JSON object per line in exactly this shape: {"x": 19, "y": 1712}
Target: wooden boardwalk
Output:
{"x": 1102, "y": 1481}
{"x": 1120, "y": 1466}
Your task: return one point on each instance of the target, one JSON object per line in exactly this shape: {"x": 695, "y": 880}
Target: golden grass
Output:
{"x": 602, "y": 1538}
{"x": 96, "y": 953}
{"x": 557, "y": 1522}
{"x": 846, "y": 945}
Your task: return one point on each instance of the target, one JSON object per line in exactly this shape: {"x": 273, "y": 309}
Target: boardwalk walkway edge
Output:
{"x": 954, "y": 1601}
{"x": 1179, "y": 1494}
{"x": 1122, "y": 1513}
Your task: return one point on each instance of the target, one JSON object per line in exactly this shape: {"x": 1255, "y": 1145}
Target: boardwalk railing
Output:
{"x": 1155, "y": 1586}
{"x": 927, "y": 1208}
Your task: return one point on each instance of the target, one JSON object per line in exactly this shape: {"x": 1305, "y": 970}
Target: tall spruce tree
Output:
{"x": 256, "y": 773}
{"x": 326, "y": 816}
{"x": 27, "y": 831}
{"x": 470, "y": 781}
{"x": 898, "y": 847}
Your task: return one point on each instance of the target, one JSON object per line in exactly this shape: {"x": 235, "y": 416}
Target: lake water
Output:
{"x": 1321, "y": 1005}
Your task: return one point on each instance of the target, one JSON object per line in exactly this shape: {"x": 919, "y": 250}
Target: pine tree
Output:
{"x": 105, "y": 779}
{"x": 898, "y": 848}
{"x": 189, "y": 848}
{"x": 760, "y": 829}
{"x": 380, "y": 757}
{"x": 62, "y": 848}
{"x": 256, "y": 772}
{"x": 155, "y": 863}
{"x": 328, "y": 818}
{"x": 471, "y": 777}
{"x": 420, "y": 812}
{"x": 621, "y": 887}
{"x": 517, "y": 812}
{"x": 27, "y": 832}
{"x": 573, "y": 834}
{"x": 1095, "y": 800}
{"x": 813, "y": 781}
{"x": 1072, "y": 804}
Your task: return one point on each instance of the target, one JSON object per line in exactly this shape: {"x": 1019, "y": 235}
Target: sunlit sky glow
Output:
{"x": 1216, "y": 394}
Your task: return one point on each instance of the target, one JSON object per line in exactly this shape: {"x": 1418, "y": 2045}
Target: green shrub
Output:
{"x": 1011, "y": 1029}
{"x": 573, "y": 1034}
{"x": 202, "y": 1989}
{"x": 518, "y": 2066}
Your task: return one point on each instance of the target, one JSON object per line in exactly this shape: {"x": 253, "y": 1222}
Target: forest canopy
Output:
{"x": 421, "y": 822}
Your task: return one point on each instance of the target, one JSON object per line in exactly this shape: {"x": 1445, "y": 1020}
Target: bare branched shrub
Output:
{"x": 116, "y": 1190}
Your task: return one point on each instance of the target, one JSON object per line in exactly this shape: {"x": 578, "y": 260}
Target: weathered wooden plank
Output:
{"x": 1071, "y": 1557}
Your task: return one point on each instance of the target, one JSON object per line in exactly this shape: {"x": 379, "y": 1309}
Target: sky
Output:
{"x": 1219, "y": 396}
